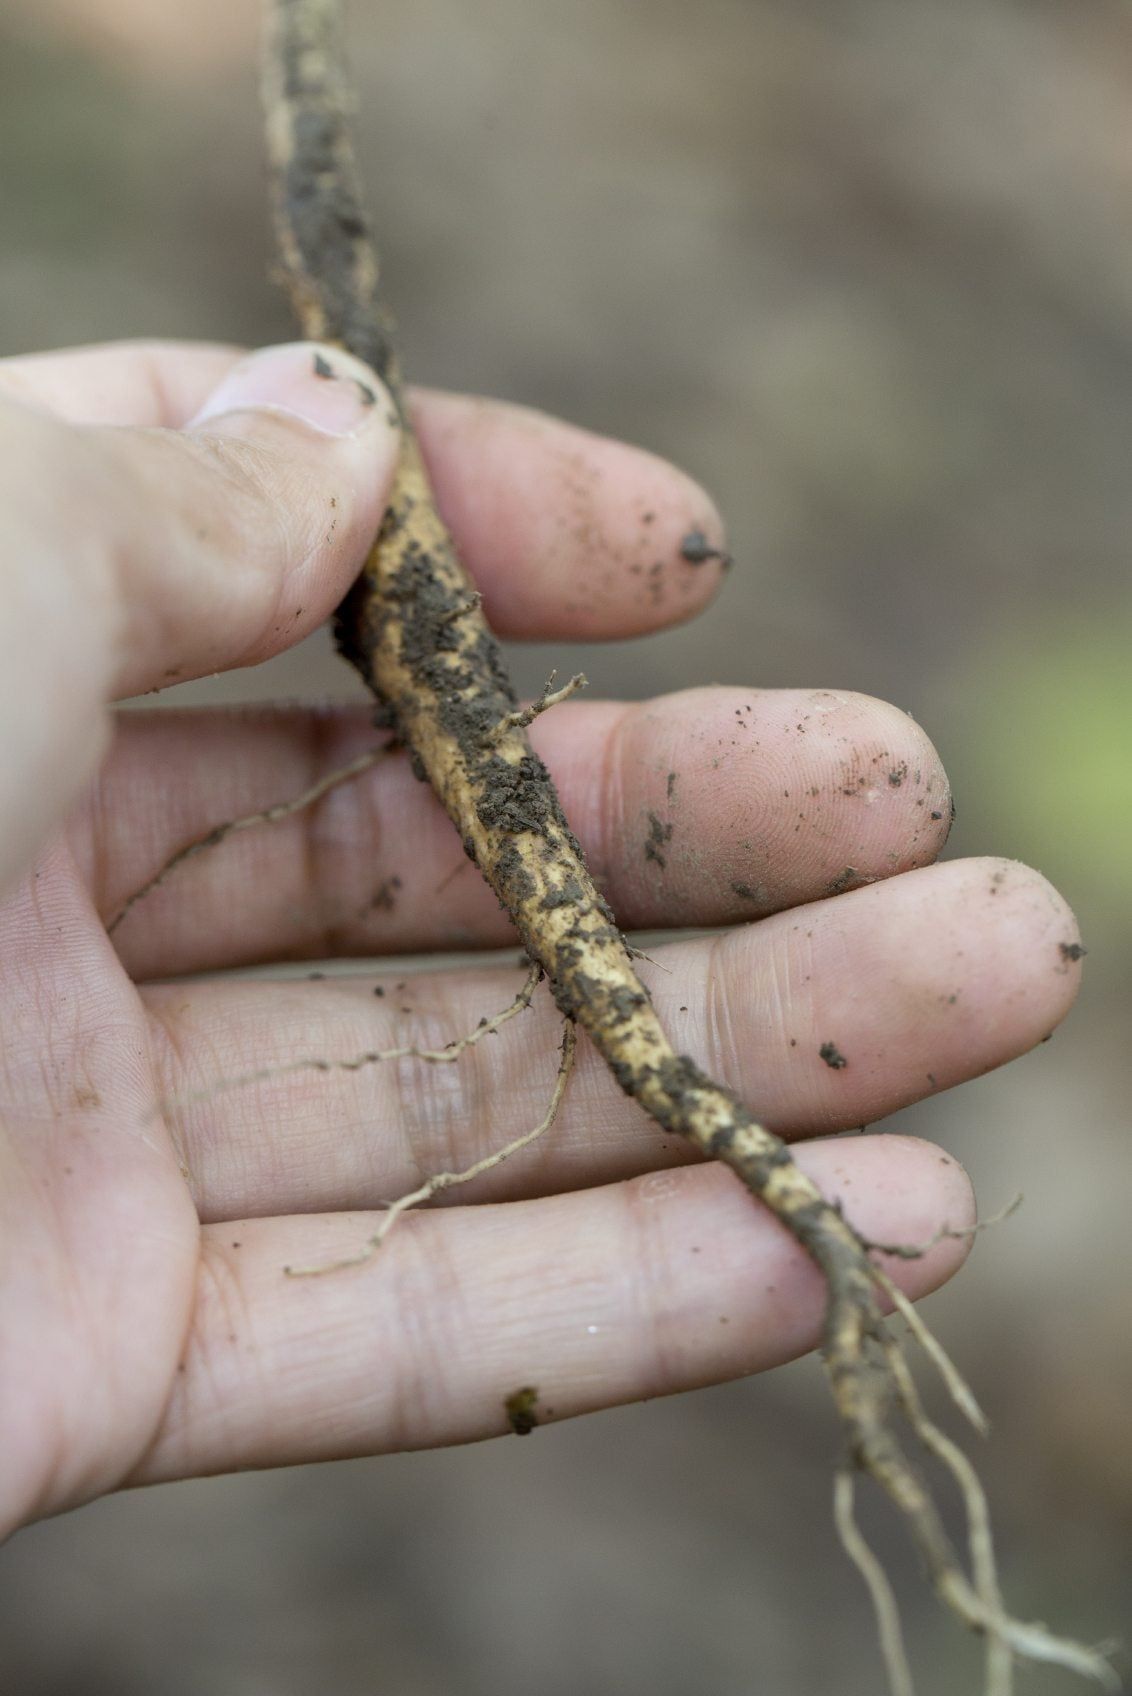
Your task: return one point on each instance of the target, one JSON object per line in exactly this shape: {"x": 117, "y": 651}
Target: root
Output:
{"x": 526, "y": 715}
{"x": 411, "y": 630}
{"x": 357, "y": 1062}
{"x": 999, "y": 1663}
{"x": 976, "y": 1602}
{"x": 980, "y": 1605}
{"x": 269, "y": 815}
{"x": 448, "y": 1180}
{"x": 889, "y": 1633}
{"x": 946, "y": 1233}
{"x": 954, "y": 1382}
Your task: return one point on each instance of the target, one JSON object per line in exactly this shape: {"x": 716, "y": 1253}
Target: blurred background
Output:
{"x": 865, "y": 268}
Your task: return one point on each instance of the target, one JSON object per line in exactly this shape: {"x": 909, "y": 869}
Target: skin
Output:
{"x": 146, "y": 1329}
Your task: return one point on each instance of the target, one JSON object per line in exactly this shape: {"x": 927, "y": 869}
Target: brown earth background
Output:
{"x": 865, "y": 267}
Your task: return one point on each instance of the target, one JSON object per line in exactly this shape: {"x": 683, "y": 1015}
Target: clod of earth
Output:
{"x": 697, "y": 550}
{"x": 521, "y": 1408}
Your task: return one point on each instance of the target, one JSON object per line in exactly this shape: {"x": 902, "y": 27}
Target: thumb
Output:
{"x": 244, "y": 531}
{"x": 135, "y": 558}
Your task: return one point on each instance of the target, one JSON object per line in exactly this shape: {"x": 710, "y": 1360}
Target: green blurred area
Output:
{"x": 865, "y": 267}
{"x": 1047, "y": 760}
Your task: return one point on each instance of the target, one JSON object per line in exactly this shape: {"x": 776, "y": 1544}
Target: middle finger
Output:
{"x": 702, "y": 808}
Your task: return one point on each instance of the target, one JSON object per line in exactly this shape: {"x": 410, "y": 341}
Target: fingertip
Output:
{"x": 311, "y": 383}
{"x": 325, "y": 432}
{"x": 1025, "y": 927}
{"x": 716, "y": 1258}
{"x": 890, "y": 779}
{"x": 693, "y": 560}
{"x": 763, "y": 798}
{"x": 664, "y": 534}
{"x": 241, "y": 533}
{"x": 901, "y": 1191}
{"x": 568, "y": 534}
{"x": 939, "y": 1205}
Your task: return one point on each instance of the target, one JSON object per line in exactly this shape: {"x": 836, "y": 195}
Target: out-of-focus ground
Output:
{"x": 865, "y": 267}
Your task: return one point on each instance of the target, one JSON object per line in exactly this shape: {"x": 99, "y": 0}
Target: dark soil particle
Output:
{"x": 517, "y": 795}
{"x": 512, "y": 876}
{"x": 460, "y": 665}
{"x": 744, "y": 892}
{"x": 845, "y": 877}
{"x": 322, "y": 367}
{"x": 329, "y": 231}
{"x": 625, "y": 1002}
{"x": 521, "y": 1408}
{"x": 384, "y": 896}
{"x": 567, "y": 894}
{"x": 659, "y": 835}
{"x": 833, "y": 1056}
{"x": 1071, "y": 950}
{"x": 697, "y": 550}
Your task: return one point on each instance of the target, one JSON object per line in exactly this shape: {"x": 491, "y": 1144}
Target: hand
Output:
{"x": 147, "y": 1330}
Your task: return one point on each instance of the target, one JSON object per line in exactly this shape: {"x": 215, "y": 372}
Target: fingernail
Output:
{"x": 320, "y": 386}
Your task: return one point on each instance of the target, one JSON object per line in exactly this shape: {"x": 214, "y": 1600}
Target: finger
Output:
{"x": 820, "y": 1020}
{"x": 138, "y": 556}
{"x": 244, "y": 530}
{"x": 705, "y": 807}
{"x": 566, "y": 533}
{"x": 150, "y": 384}
{"x": 641, "y": 1289}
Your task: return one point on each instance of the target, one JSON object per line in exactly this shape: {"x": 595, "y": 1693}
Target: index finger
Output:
{"x": 567, "y": 534}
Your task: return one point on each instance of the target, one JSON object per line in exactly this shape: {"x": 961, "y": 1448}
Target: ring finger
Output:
{"x": 820, "y": 1020}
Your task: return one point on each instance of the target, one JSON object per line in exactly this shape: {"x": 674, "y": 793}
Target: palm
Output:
{"x": 100, "y": 1239}
{"x": 147, "y": 1329}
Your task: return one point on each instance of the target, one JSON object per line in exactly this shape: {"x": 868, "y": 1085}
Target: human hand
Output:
{"x": 146, "y": 1328}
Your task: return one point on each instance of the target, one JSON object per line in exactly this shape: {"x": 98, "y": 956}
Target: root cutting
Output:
{"x": 414, "y": 629}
